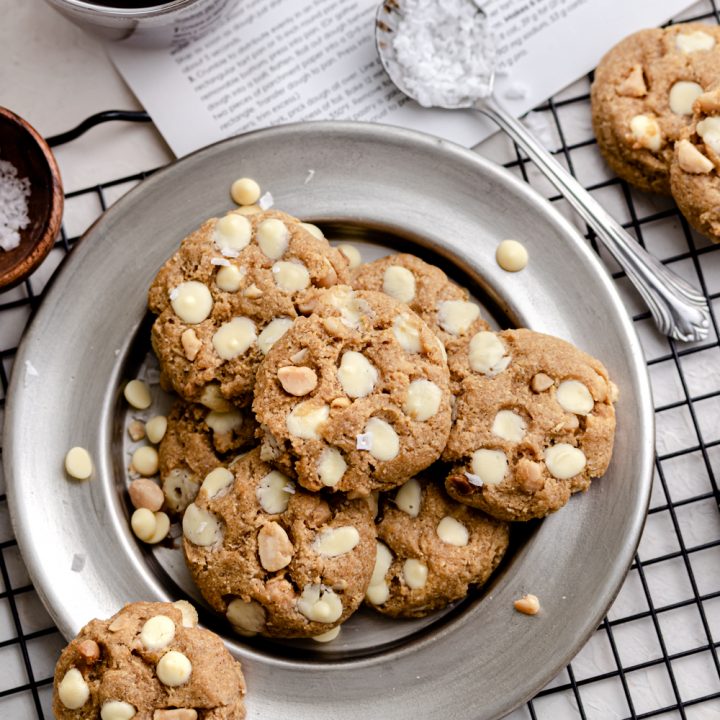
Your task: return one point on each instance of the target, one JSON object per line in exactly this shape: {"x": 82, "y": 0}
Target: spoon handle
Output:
{"x": 678, "y": 309}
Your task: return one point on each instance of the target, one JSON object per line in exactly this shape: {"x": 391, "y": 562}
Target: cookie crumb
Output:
{"x": 527, "y": 605}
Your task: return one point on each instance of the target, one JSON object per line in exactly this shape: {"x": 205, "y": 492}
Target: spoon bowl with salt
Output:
{"x": 31, "y": 199}
{"x": 442, "y": 54}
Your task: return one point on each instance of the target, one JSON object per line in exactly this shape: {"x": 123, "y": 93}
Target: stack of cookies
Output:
{"x": 353, "y": 433}
{"x": 656, "y": 116}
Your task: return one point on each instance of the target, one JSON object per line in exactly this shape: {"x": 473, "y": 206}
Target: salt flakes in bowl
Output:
{"x": 14, "y": 196}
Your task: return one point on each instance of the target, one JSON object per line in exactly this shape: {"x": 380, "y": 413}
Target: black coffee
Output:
{"x": 129, "y": 4}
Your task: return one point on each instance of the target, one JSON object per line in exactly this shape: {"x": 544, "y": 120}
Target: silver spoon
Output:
{"x": 678, "y": 309}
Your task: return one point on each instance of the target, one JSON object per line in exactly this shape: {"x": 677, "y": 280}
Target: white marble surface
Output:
{"x": 55, "y": 75}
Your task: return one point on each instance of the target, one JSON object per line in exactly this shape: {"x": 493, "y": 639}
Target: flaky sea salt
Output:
{"x": 443, "y": 51}
{"x": 14, "y": 194}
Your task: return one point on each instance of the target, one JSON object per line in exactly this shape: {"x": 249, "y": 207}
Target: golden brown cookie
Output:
{"x": 431, "y": 549}
{"x": 227, "y": 294}
{"x": 354, "y": 397}
{"x": 148, "y": 662}
{"x": 442, "y": 304}
{"x": 535, "y": 422}
{"x": 696, "y": 163}
{"x": 198, "y": 440}
{"x": 642, "y": 97}
{"x": 273, "y": 558}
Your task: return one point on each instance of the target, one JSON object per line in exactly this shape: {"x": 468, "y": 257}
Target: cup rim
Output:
{"x": 113, "y": 11}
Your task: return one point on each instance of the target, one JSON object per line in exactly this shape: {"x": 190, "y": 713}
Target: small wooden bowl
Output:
{"x": 21, "y": 145}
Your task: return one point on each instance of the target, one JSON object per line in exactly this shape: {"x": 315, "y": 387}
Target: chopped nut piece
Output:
{"x": 136, "y": 430}
{"x": 691, "y": 160}
{"x": 297, "y": 381}
{"x": 191, "y": 344}
{"x": 175, "y": 714}
{"x": 145, "y": 493}
{"x": 708, "y": 103}
{"x": 541, "y": 382}
{"x": 634, "y": 84}
{"x": 300, "y": 356}
{"x": 89, "y": 651}
{"x": 274, "y": 547}
{"x": 253, "y": 292}
{"x": 528, "y": 605}
{"x": 341, "y": 402}
{"x": 529, "y": 475}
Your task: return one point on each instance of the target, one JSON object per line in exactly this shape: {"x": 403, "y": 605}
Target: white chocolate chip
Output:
{"x": 409, "y": 498}
{"x": 191, "y": 301}
{"x": 331, "y": 467}
{"x": 157, "y": 633}
{"x": 384, "y": 443}
{"x": 407, "y": 333}
{"x": 188, "y": 612}
{"x": 230, "y": 278}
{"x": 509, "y": 426}
{"x": 73, "y": 691}
{"x": 709, "y": 130}
{"x": 423, "y": 400}
{"x": 180, "y": 488}
{"x": 213, "y": 399}
{"x": 222, "y": 423}
{"x": 352, "y": 308}
{"x": 694, "y": 42}
{"x": 137, "y": 393}
{"x": 527, "y": 605}
{"x": 78, "y": 463}
{"x": 511, "y": 255}
{"x": 273, "y": 237}
{"x": 314, "y": 230}
{"x": 233, "y": 338}
{"x": 232, "y": 233}
{"x": 245, "y": 191}
{"x": 297, "y": 381}
{"x": 574, "y": 397}
{"x": 156, "y": 428}
{"x": 327, "y": 636}
{"x": 564, "y": 461}
{"x": 274, "y": 547}
{"x": 191, "y": 344}
{"x": 162, "y": 527}
{"x": 487, "y": 354}
{"x": 290, "y": 276}
{"x": 646, "y": 132}
{"x": 201, "y": 527}
{"x": 414, "y": 573}
{"x": 336, "y": 541}
{"x": 357, "y": 375}
{"x": 143, "y": 523}
{"x": 352, "y": 254}
{"x": 248, "y": 618}
{"x": 691, "y": 160}
{"x": 274, "y": 491}
{"x": 145, "y": 460}
{"x": 456, "y": 316}
{"x": 216, "y": 481}
{"x": 634, "y": 84}
{"x": 305, "y": 420}
{"x": 682, "y": 96}
{"x": 452, "y": 532}
{"x": 117, "y": 710}
{"x": 378, "y": 590}
{"x": 272, "y": 332}
{"x": 173, "y": 669}
{"x": 136, "y": 430}
{"x": 399, "y": 283}
{"x": 489, "y": 465}
{"x": 319, "y": 604}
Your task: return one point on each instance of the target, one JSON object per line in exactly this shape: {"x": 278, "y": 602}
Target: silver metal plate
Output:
{"x": 393, "y": 188}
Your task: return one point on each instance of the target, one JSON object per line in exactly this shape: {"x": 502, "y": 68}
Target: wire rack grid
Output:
{"x": 655, "y": 655}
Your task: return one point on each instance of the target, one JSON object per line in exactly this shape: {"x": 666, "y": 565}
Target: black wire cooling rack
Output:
{"x": 655, "y": 655}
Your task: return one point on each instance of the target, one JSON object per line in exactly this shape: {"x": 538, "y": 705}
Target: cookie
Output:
{"x": 694, "y": 174}
{"x": 354, "y": 397}
{"x": 198, "y": 440}
{"x": 273, "y": 558}
{"x": 227, "y": 294}
{"x": 535, "y": 422}
{"x": 431, "y": 549}
{"x": 642, "y": 97}
{"x": 150, "y": 661}
{"x": 427, "y": 290}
